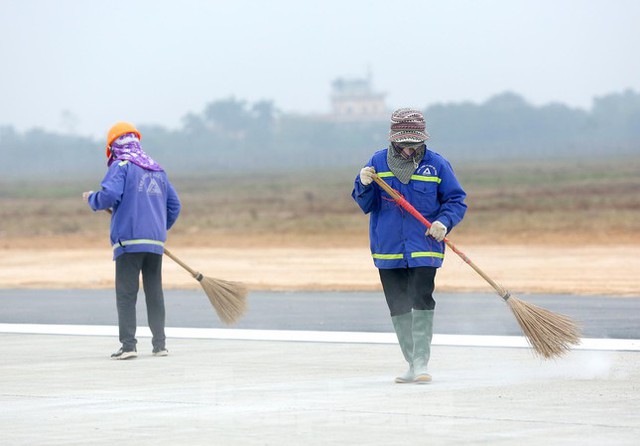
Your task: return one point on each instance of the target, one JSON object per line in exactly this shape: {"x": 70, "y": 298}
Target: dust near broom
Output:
{"x": 555, "y": 229}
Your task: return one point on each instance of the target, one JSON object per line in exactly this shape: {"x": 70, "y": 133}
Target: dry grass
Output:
{"x": 597, "y": 202}
{"x": 544, "y": 203}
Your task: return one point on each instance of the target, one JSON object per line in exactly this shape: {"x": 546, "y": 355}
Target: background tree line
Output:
{"x": 232, "y": 135}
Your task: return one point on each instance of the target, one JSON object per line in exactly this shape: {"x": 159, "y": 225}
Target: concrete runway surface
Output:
{"x": 63, "y": 390}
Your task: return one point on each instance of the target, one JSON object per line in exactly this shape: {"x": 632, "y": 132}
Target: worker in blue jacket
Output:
{"x": 144, "y": 206}
{"x": 406, "y": 256}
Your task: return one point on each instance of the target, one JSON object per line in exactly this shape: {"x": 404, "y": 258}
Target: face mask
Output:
{"x": 407, "y": 149}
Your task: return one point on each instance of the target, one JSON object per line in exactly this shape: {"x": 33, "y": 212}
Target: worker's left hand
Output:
{"x": 85, "y": 195}
{"x": 437, "y": 230}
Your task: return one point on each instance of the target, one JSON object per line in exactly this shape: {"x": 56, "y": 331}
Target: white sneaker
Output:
{"x": 160, "y": 352}
{"x": 121, "y": 354}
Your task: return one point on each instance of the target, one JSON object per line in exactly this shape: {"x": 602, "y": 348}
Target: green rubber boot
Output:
{"x": 402, "y": 325}
{"x": 422, "y": 335}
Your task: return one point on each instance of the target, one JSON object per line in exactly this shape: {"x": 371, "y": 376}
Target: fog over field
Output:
{"x": 233, "y": 135}
{"x": 248, "y": 86}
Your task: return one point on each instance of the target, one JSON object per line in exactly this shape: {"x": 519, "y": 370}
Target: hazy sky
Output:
{"x": 81, "y": 65}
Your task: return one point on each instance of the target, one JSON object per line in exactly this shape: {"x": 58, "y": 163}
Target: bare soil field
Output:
{"x": 330, "y": 263}
{"x": 551, "y": 229}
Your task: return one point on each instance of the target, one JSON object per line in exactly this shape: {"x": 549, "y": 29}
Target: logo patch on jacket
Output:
{"x": 427, "y": 170}
{"x": 153, "y": 188}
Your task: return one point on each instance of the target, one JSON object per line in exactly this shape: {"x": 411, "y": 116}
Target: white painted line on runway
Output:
{"x": 310, "y": 336}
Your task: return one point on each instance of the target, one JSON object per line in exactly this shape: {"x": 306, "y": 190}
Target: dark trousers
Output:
{"x": 128, "y": 269}
{"x": 408, "y": 288}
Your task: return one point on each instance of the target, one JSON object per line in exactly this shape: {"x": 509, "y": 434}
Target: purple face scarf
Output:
{"x": 127, "y": 147}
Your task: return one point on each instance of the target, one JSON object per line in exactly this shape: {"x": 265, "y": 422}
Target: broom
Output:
{"x": 550, "y": 334}
{"x": 229, "y": 299}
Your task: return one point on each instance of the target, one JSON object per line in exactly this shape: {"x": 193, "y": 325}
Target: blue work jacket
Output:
{"x": 144, "y": 206}
{"x": 397, "y": 238}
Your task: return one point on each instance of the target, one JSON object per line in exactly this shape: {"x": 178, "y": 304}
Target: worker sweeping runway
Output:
{"x": 144, "y": 205}
{"x": 423, "y": 184}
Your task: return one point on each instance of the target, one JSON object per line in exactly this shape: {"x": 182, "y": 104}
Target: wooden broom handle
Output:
{"x": 413, "y": 211}
{"x": 173, "y": 257}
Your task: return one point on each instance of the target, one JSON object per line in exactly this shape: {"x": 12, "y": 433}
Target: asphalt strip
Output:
{"x": 310, "y": 336}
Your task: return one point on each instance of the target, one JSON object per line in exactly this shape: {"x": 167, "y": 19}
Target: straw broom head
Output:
{"x": 229, "y": 299}
{"x": 550, "y": 334}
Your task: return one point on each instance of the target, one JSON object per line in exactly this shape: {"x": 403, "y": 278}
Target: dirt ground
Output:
{"x": 568, "y": 227}
{"x": 320, "y": 262}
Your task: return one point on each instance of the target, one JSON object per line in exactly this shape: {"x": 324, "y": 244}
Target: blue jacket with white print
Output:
{"x": 144, "y": 206}
{"x": 397, "y": 238}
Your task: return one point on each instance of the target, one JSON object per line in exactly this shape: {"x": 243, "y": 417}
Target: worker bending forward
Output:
{"x": 407, "y": 258}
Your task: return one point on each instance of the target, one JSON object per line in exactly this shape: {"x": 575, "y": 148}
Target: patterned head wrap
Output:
{"x": 407, "y": 125}
{"x": 127, "y": 147}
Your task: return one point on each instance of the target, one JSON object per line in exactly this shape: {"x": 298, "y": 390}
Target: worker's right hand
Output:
{"x": 366, "y": 175}
{"x": 85, "y": 195}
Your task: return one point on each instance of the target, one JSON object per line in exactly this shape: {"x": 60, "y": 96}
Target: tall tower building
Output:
{"x": 355, "y": 100}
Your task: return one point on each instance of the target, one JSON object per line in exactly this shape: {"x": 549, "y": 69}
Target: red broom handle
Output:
{"x": 413, "y": 211}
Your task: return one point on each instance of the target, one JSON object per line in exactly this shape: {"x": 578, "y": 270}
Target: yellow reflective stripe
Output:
{"x": 140, "y": 241}
{"x": 425, "y": 178}
{"x": 413, "y": 255}
{"x": 430, "y": 179}
{"x": 427, "y": 254}
{"x": 122, "y": 163}
{"x": 388, "y": 256}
